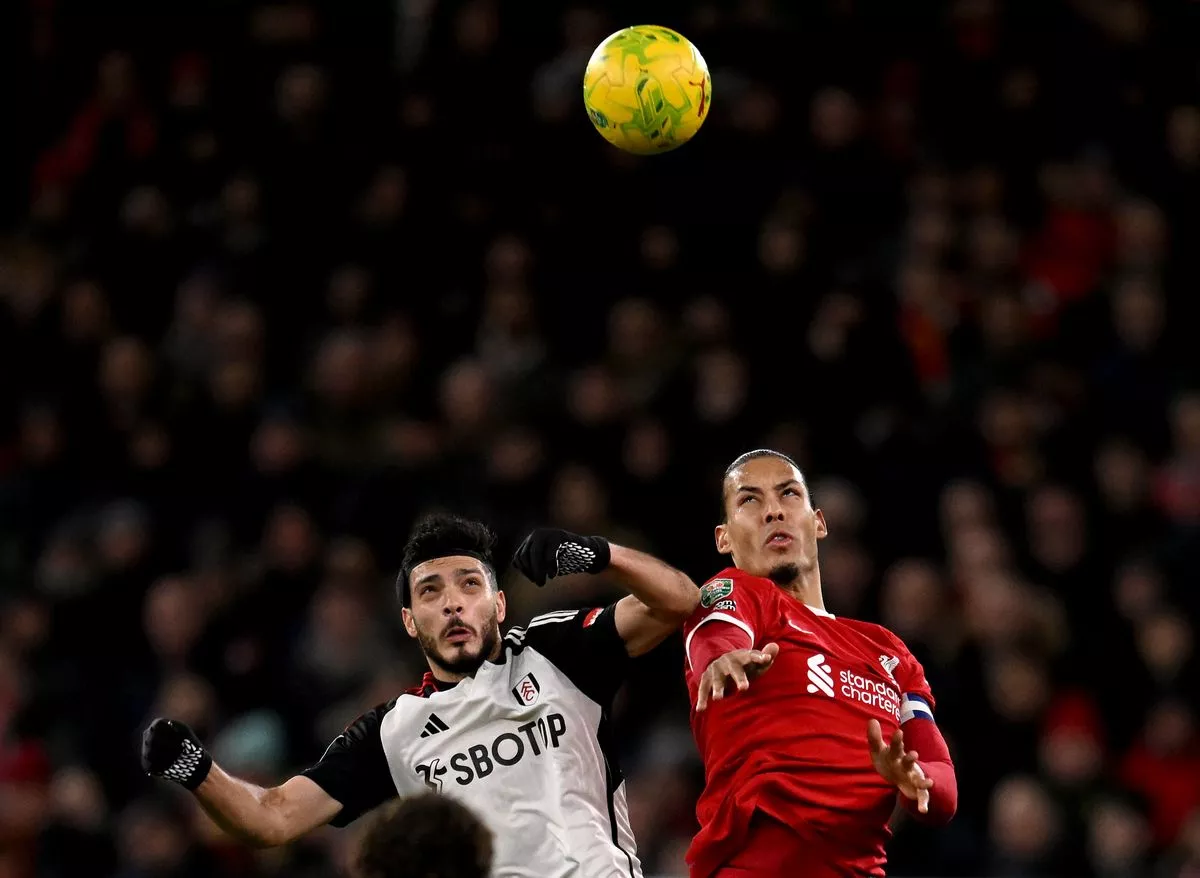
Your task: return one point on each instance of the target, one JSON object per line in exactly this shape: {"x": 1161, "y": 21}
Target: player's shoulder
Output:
{"x": 895, "y": 656}
{"x": 731, "y": 580}
{"x": 875, "y": 632}
{"x": 379, "y": 711}
{"x": 549, "y": 624}
{"x": 732, "y": 591}
{"x": 737, "y": 577}
{"x": 558, "y": 632}
{"x": 365, "y": 726}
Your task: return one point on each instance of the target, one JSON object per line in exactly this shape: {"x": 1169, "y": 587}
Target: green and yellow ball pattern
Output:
{"x": 647, "y": 89}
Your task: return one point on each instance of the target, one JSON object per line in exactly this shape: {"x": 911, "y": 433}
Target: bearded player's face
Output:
{"x": 455, "y": 613}
{"x": 771, "y": 528}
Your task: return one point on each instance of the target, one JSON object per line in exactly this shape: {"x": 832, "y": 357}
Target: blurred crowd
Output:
{"x": 283, "y": 275}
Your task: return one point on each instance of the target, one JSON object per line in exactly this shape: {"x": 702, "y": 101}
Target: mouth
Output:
{"x": 779, "y": 539}
{"x": 458, "y": 634}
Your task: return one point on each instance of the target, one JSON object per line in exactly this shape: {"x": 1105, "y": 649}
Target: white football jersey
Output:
{"x": 525, "y": 743}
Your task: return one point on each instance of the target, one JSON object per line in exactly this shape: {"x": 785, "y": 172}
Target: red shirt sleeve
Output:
{"x": 727, "y": 618}
{"x": 922, "y": 734}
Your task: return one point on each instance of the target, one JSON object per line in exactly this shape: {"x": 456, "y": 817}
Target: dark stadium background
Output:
{"x": 274, "y": 278}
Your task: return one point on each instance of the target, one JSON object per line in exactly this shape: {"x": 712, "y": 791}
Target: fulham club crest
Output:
{"x": 527, "y": 691}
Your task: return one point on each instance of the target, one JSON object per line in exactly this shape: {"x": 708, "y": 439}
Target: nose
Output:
{"x": 773, "y": 511}
{"x": 453, "y": 606}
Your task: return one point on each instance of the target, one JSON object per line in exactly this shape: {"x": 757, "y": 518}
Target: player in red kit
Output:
{"x": 810, "y": 725}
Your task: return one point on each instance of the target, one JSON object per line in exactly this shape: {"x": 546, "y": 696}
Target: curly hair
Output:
{"x": 440, "y": 535}
{"x": 425, "y": 836}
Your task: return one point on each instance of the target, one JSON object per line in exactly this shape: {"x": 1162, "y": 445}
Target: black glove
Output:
{"x": 171, "y": 750}
{"x": 548, "y": 552}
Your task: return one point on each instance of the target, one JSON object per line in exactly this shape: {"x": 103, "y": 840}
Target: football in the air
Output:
{"x": 647, "y": 89}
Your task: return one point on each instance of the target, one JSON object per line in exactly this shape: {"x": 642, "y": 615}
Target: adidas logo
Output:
{"x": 433, "y": 725}
{"x": 819, "y": 679}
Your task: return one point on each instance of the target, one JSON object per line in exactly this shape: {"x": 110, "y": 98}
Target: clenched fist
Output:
{"x": 548, "y": 552}
{"x": 172, "y": 751}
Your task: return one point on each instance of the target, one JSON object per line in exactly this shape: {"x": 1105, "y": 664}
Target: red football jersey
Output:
{"x": 794, "y": 745}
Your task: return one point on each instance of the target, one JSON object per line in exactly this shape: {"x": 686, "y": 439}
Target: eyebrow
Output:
{"x": 750, "y": 489}
{"x": 460, "y": 572}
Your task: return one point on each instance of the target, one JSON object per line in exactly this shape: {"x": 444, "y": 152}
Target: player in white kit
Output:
{"x": 514, "y": 726}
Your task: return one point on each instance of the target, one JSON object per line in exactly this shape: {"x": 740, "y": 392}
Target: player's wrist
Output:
{"x": 191, "y": 768}
{"x": 604, "y": 554}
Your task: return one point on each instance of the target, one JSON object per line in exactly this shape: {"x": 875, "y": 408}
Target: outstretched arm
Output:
{"x": 660, "y": 597}
{"x": 655, "y": 583}
{"x": 256, "y": 816}
{"x": 265, "y": 817}
{"x": 924, "y": 738}
{"x": 922, "y": 770}
{"x": 920, "y": 745}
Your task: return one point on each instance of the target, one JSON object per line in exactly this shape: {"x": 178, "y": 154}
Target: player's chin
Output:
{"x": 783, "y": 571}
{"x": 461, "y": 657}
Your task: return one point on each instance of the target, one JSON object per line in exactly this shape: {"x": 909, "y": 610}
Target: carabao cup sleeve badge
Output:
{"x": 715, "y": 591}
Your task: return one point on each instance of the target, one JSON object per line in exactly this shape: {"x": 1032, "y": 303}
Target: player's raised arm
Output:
{"x": 660, "y": 598}
{"x": 255, "y": 816}
{"x": 350, "y": 779}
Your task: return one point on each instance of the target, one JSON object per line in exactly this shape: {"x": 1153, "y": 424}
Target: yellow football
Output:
{"x": 647, "y": 89}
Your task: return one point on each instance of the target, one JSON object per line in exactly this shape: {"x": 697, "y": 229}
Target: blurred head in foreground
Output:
{"x": 425, "y": 836}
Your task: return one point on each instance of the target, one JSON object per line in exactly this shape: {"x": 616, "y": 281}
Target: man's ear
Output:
{"x": 822, "y": 527}
{"x": 501, "y": 607}
{"x": 721, "y": 534}
{"x": 410, "y": 624}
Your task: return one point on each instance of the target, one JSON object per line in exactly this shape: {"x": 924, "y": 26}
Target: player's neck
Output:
{"x": 447, "y": 677}
{"x": 806, "y": 588}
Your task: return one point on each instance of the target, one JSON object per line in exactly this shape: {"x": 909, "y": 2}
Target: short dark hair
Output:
{"x": 440, "y": 535}
{"x": 743, "y": 459}
{"x": 426, "y": 835}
